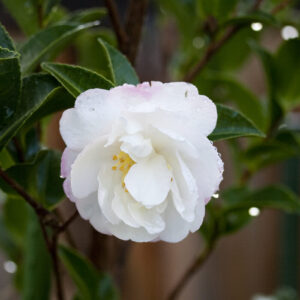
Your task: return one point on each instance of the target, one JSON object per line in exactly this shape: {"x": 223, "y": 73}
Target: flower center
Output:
{"x": 123, "y": 164}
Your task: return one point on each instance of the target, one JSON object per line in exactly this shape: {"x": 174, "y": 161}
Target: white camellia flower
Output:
{"x": 138, "y": 163}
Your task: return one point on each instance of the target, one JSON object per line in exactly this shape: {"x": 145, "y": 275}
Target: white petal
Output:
{"x": 176, "y": 227}
{"x": 92, "y": 117}
{"x": 136, "y": 146}
{"x": 148, "y": 218}
{"x": 207, "y": 169}
{"x": 67, "y": 159}
{"x": 120, "y": 204}
{"x": 86, "y": 167}
{"x": 149, "y": 181}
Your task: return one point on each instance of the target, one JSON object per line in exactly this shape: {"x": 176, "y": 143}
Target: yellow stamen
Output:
{"x": 124, "y": 163}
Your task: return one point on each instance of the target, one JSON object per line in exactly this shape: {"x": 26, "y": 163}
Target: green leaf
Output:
{"x": 15, "y": 216}
{"x": 121, "y": 70}
{"x": 275, "y": 197}
{"x": 243, "y": 98}
{"x": 7, "y": 244}
{"x": 257, "y": 16}
{"x": 40, "y": 178}
{"x": 284, "y": 145}
{"x": 5, "y": 39}
{"x": 45, "y": 43}
{"x": 269, "y": 66}
{"x": 6, "y": 159}
{"x": 217, "y": 8}
{"x": 288, "y": 73}
{"x": 87, "y": 15}
{"x": 10, "y": 85}
{"x": 25, "y": 13}
{"x": 232, "y": 124}
{"x": 37, "y": 263}
{"x": 76, "y": 79}
{"x": 91, "y": 284}
{"x": 35, "y": 90}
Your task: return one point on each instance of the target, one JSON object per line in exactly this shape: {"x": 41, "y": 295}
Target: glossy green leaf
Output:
{"x": 40, "y": 178}
{"x": 91, "y": 284}
{"x": 35, "y": 90}
{"x": 288, "y": 73}
{"x": 232, "y": 124}
{"x": 258, "y": 16}
{"x": 90, "y": 54}
{"x": 87, "y": 15}
{"x": 37, "y": 263}
{"x": 6, "y": 159}
{"x": 15, "y": 216}
{"x": 44, "y": 44}
{"x": 10, "y": 86}
{"x": 285, "y": 144}
{"x": 7, "y": 244}
{"x": 275, "y": 197}
{"x": 5, "y": 39}
{"x": 76, "y": 79}
{"x": 121, "y": 69}
{"x": 25, "y": 13}
{"x": 269, "y": 66}
{"x": 234, "y": 92}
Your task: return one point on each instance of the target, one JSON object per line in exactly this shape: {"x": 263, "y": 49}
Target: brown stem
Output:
{"x": 116, "y": 23}
{"x": 57, "y": 274}
{"x": 211, "y": 50}
{"x": 194, "y": 267}
{"x": 14, "y": 185}
{"x": 216, "y": 45}
{"x": 133, "y": 27}
{"x": 64, "y": 226}
{"x": 282, "y": 5}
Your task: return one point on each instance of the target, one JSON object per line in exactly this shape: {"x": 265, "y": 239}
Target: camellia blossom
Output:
{"x": 138, "y": 163}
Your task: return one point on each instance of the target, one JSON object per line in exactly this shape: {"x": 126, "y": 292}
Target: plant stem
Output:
{"x": 55, "y": 261}
{"x": 53, "y": 223}
{"x": 116, "y": 23}
{"x": 216, "y": 45}
{"x": 133, "y": 27}
{"x": 15, "y": 186}
{"x": 194, "y": 267}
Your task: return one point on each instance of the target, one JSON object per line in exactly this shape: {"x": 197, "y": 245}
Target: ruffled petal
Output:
{"x": 91, "y": 118}
{"x": 149, "y": 181}
{"x": 136, "y": 146}
{"x": 86, "y": 167}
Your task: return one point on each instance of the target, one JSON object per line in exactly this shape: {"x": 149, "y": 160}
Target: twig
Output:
{"x": 42, "y": 213}
{"x": 282, "y": 5}
{"x": 133, "y": 27}
{"x": 216, "y": 45}
{"x": 58, "y": 279}
{"x": 14, "y": 185}
{"x": 211, "y": 50}
{"x": 116, "y": 23}
{"x": 64, "y": 226}
{"x": 194, "y": 267}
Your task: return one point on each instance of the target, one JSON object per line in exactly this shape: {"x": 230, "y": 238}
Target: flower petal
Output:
{"x": 149, "y": 181}
{"x": 136, "y": 146}
{"x": 86, "y": 167}
{"x": 92, "y": 117}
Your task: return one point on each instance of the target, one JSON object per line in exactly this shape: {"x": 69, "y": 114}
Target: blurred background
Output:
{"x": 260, "y": 259}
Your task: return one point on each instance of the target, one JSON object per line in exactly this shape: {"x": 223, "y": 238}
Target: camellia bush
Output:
{"x": 140, "y": 161}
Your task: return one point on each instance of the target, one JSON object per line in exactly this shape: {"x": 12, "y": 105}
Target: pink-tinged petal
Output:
{"x": 67, "y": 159}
